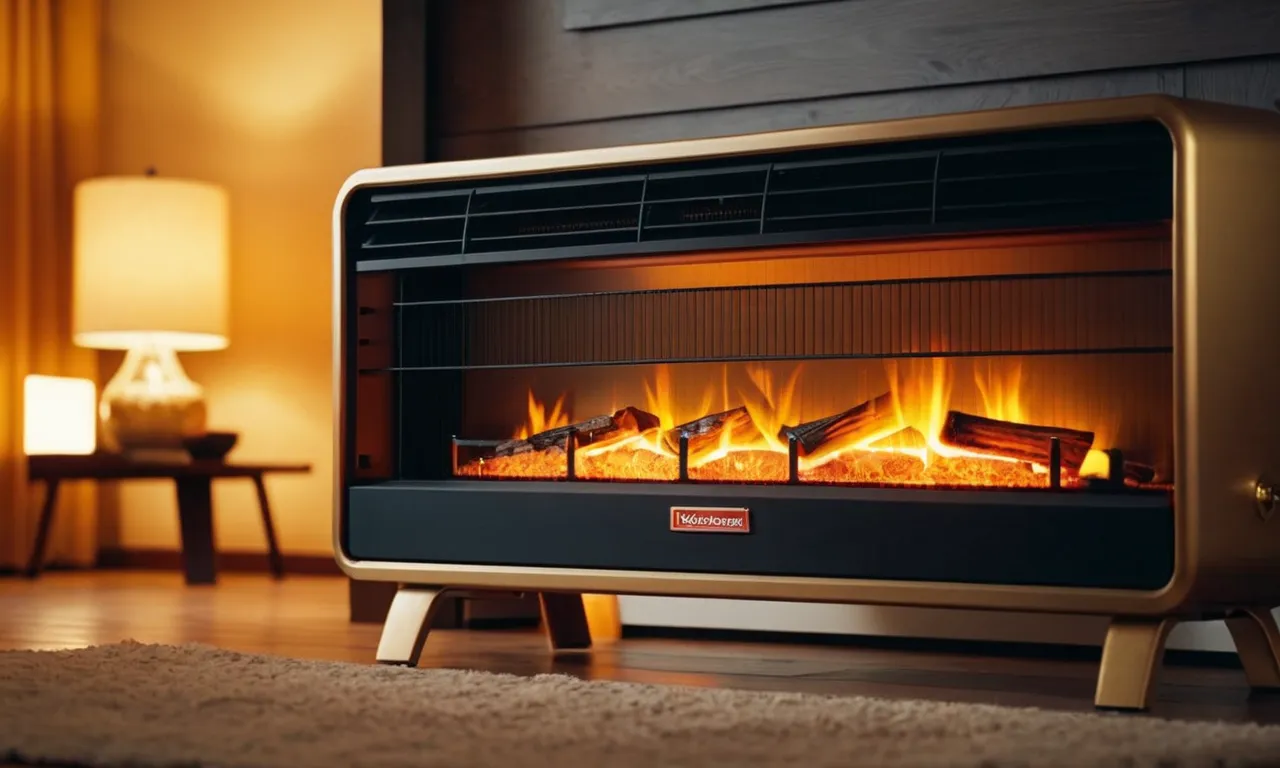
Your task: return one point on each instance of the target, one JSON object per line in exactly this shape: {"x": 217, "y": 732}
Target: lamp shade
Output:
{"x": 151, "y": 263}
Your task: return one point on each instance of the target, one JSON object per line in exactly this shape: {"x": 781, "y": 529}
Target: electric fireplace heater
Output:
{"x": 1021, "y": 359}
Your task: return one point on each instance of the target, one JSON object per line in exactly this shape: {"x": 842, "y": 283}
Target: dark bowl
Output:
{"x": 211, "y": 446}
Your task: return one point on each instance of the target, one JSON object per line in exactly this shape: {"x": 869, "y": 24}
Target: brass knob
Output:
{"x": 1266, "y": 496}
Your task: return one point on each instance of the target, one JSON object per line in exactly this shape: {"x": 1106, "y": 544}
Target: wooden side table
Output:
{"x": 194, "y": 483}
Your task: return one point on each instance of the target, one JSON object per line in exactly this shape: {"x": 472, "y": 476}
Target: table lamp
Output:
{"x": 151, "y": 278}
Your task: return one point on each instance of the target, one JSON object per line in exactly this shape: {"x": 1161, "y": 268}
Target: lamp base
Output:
{"x": 150, "y": 405}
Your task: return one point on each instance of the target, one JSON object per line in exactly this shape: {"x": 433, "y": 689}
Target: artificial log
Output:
{"x": 1135, "y": 473}
{"x": 1121, "y": 469}
{"x": 623, "y": 423}
{"x": 1024, "y": 442}
{"x": 848, "y": 427}
{"x": 627, "y": 422}
{"x": 552, "y": 438}
{"x": 512, "y": 447}
{"x": 704, "y": 433}
{"x": 633, "y": 419}
{"x": 1138, "y": 472}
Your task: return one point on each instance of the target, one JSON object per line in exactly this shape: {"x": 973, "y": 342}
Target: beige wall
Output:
{"x": 279, "y": 101}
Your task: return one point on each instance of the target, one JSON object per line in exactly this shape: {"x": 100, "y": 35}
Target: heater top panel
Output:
{"x": 1056, "y": 177}
{"x": 1039, "y": 167}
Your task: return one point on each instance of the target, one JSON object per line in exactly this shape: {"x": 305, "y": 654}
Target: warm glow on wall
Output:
{"x": 58, "y": 415}
{"x": 277, "y": 101}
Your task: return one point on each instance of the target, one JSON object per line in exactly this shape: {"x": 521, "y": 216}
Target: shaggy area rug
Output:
{"x": 152, "y": 706}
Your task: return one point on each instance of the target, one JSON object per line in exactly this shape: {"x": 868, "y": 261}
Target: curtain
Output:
{"x": 49, "y": 102}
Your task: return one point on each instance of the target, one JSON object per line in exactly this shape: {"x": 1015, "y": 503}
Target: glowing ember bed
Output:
{"x": 971, "y": 361}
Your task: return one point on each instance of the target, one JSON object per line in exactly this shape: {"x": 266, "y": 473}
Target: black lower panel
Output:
{"x": 1115, "y": 541}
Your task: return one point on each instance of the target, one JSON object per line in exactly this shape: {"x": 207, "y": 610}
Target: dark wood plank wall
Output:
{"x": 598, "y": 14}
{"x": 405, "y": 67}
{"x": 520, "y": 76}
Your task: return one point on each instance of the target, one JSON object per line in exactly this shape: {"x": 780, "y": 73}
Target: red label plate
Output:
{"x": 711, "y": 519}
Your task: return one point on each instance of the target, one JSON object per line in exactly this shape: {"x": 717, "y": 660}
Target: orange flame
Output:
{"x": 908, "y": 449}
{"x": 540, "y": 420}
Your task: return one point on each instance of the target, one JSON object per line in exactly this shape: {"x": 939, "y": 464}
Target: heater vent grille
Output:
{"x": 1029, "y": 314}
{"x": 1080, "y": 176}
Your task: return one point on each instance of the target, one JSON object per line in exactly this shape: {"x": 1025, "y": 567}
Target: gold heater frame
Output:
{"x": 1226, "y": 265}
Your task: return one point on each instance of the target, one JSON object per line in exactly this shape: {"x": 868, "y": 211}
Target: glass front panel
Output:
{"x": 1039, "y": 361}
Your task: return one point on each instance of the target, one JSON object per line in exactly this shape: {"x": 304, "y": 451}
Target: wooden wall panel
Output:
{"x": 809, "y": 113}
{"x": 598, "y": 14}
{"x": 1249, "y": 83}
{"x": 511, "y": 63}
{"x": 405, "y": 66}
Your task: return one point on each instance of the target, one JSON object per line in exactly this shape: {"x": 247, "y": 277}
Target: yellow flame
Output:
{"x": 540, "y": 420}
{"x": 1000, "y": 394}
{"x": 771, "y": 409}
{"x": 920, "y": 393}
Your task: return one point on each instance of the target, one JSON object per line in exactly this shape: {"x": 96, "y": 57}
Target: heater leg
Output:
{"x": 1258, "y": 643}
{"x": 1131, "y": 661}
{"x": 408, "y": 621}
{"x": 565, "y": 618}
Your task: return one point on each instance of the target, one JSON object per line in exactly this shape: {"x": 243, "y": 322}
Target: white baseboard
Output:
{"x": 882, "y": 621}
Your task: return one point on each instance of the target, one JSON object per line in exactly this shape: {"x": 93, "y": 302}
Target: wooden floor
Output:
{"x": 306, "y": 617}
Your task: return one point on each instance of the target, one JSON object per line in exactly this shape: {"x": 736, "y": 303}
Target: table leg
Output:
{"x": 273, "y": 549}
{"x": 195, "y": 518}
{"x": 42, "y": 530}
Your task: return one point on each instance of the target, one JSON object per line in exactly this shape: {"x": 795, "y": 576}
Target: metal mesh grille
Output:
{"x": 1064, "y": 177}
{"x": 1103, "y": 312}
